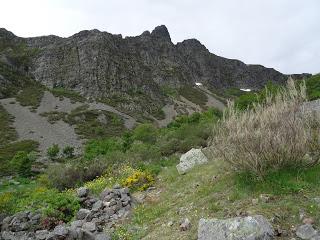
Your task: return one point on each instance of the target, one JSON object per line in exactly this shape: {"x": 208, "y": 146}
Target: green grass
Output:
{"x": 210, "y": 191}
{"x": 313, "y": 87}
{"x": 7, "y": 132}
{"x": 194, "y": 95}
{"x": 72, "y": 95}
{"x": 31, "y": 95}
{"x": 9, "y": 150}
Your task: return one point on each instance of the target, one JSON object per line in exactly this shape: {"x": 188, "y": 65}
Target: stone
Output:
{"x": 60, "y": 230}
{"x": 97, "y": 205}
{"x": 190, "y": 159}
{"x": 306, "y": 231}
{"x": 82, "y": 213}
{"x": 42, "y": 234}
{"x": 185, "y": 224}
{"x": 308, "y": 220}
{"x": 76, "y": 224}
{"x": 102, "y": 236}
{"x": 82, "y": 192}
{"x": 265, "y": 198}
{"x": 89, "y": 226}
{"x": 244, "y": 228}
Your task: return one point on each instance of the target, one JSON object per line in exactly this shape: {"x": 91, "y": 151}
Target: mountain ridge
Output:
{"x": 135, "y": 69}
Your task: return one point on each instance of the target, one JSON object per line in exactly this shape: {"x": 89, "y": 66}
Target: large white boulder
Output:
{"x": 238, "y": 228}
{"x": 190, "y": 159}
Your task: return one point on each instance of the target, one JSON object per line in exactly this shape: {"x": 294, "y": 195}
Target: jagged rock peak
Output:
{"x": 4, "y": 33}
{"x": 161, "y": 32}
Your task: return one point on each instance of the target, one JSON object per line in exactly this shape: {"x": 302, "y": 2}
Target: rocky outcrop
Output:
{"x": 246, "y": 228}
{"x": 133, "y": 70}
{"x": 190, "y": 159}
{"x": 96, "y": 217}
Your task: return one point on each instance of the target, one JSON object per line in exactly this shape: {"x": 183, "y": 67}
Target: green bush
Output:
{"x": 313, "y": 87}
{"x": 68, "y": 151}
{"x": 53, "y": 151}
{"x": 59, "y": 205}
{"x": 96, "y": 148}
{"x": 22, "y": 163}
{"x": 146, "y": 133}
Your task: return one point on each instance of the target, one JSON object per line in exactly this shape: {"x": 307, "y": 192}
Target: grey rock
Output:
{"x": 102, "y": 236}
{"x": 247, "y": 228}
{"x": 82, "y": 192}
{"x": 82, "y": 213}
{"x": 42, "y": 234}
{"x": 76, "y": 224}
{"x": 89, "y": 226}
{"x": 60, "y": 230}
{"x": 306, "y": 231}
{"x": 190, "y": 159}
{"x": 185, "y": 224}
{"x": 97, "y": 205}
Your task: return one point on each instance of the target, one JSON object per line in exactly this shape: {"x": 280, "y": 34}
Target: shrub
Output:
{"x": 146, "y": 133}
{"x": 53, "y": 151}
{"x": 272, "y": 135}
{"x": 53, "y": 204}
{"x": 68, "y": 151}
{"x": 138, "y": 180}
{"x": 96, "y": 148}
{"x": 22, "y": 163}
{"x": 74, "y": 174}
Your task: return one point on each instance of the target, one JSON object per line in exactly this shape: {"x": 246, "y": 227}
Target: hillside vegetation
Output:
{"x": 263, "y": 154}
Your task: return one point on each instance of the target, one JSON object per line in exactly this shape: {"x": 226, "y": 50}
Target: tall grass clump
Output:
{"x": 276, "y": 134}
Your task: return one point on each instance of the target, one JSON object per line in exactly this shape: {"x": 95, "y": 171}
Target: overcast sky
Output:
{"x": 283, "y": 34}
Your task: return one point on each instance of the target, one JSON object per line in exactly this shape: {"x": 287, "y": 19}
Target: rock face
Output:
{"x": 190, "y": 159}
{"x": 247, "y": 228}
{"x": 101, "y": 64}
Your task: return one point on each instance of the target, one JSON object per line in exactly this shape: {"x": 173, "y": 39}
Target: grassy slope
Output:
{"x": 210, "y": 191}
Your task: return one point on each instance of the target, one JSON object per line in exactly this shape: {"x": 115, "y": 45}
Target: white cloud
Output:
{"x": 283, "y": 34}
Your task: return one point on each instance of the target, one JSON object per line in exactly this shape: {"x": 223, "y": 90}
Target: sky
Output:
{"x": 282, "y": 34}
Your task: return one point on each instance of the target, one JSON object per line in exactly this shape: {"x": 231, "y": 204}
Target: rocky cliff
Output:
{"x": 106, "y": 66}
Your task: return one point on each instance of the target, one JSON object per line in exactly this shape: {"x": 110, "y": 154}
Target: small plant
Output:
{"x": 68, "y": 152}
{"x": 22, "y": 163}
{"x": 139, "y": 180}
{"x": 53, "y": 151}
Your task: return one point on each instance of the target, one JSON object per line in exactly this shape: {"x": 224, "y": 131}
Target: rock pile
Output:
{"x": 96, "y": 216}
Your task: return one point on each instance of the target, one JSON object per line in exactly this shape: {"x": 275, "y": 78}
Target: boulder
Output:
{"x": 239, "y": 228}
{"x": 190, "y": 159}
{"x": 82, "y": 192}
{"x": 306, "y": 231}
{"x": 83, "y": 213}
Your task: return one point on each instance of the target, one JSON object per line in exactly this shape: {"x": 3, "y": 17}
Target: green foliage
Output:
{"x": 68, "y": 151}
{"x": 22, "y": 163}
{"x": 72, "y": 95}
{"x": 94, "y": 124}
{"x": 53, "y": 151}
{"x": 52, "y": 203}
{"x": 284, "y": 181}
{"x": 96, "y": 148}
{"x": 146, "y": 133}
{"x": 313, "y": 87}
{"x": 7, "y": 152}
{"x": 31, "y": 95}
{"x": 7, "y": 132}
{"x": 247, "y": 100}
{"x": 194, "y": 95}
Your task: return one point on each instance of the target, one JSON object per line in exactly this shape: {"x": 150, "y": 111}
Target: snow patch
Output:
{"x": 198, "y": 84}
{"x": 245, "y": 89}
